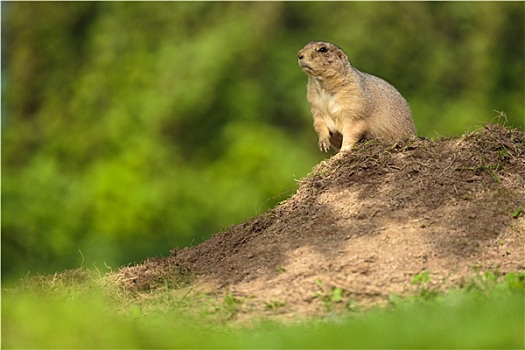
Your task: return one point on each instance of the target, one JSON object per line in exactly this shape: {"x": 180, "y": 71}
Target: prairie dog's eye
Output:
{"x": 322, "y": 49}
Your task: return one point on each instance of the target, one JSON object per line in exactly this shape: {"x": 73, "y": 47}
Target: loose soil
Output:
{"x": 361, "y": 226}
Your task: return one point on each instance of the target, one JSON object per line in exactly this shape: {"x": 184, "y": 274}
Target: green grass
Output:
{"x": 486, "y": 313}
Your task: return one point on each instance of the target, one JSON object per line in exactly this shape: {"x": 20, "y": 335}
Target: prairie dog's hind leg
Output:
{"x": 352, "y": 133}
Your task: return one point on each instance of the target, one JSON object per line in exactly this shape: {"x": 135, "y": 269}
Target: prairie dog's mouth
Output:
{"x": 305, "y": 66}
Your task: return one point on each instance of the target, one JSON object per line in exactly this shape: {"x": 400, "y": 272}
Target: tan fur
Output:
{"x": 349, "y": 105}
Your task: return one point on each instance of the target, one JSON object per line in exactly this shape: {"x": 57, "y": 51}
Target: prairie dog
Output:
{"x": 349, "y": 105}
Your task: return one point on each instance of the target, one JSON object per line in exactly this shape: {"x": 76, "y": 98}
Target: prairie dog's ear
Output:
{"x": 341, "y": 54}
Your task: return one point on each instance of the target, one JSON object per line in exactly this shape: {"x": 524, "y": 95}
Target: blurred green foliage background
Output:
{"x": 129, "y": 128}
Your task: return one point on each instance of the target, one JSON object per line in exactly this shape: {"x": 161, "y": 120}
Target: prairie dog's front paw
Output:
{"x": 324, "y": 144}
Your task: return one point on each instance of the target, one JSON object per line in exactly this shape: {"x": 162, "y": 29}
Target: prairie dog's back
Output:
{"x": 387, "y": 111}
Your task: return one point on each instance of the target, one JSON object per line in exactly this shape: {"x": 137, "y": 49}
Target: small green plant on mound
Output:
{"x": 422, "y": 280}
{"x": 274, "y": 305}
{"x": 331, "y": 296}
{"x": 231, "y": 304}
{"x": 489, "y": 281}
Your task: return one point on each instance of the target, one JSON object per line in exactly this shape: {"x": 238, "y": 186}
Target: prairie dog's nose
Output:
{"x": 300, "y": 55}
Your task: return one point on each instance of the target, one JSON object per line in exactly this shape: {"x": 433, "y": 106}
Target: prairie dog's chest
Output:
{"x": 326, "y": 103}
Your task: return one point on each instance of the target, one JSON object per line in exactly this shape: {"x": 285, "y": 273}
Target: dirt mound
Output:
{"x": 362, "y": 225}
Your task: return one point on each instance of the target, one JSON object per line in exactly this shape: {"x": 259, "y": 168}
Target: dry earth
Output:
{"x": 362, "y": 225}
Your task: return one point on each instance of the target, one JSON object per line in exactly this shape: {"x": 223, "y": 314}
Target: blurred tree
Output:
{"x": 129, "y": 128}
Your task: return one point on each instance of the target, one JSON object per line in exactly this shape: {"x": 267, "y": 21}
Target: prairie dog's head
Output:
{"x": 322, "y": 60}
